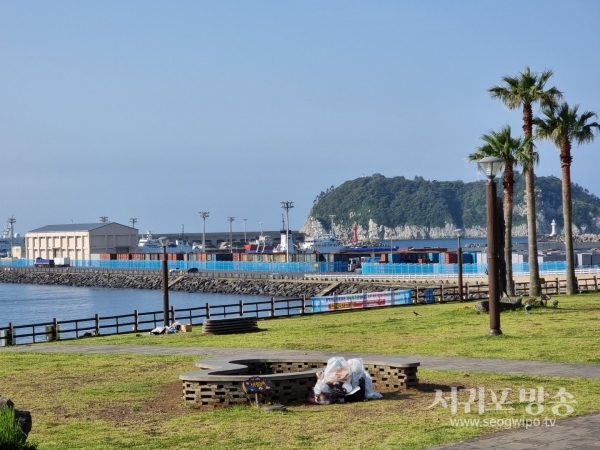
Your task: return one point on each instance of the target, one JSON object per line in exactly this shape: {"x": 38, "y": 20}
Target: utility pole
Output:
{"x": 204, "y": 215}
{"x": 103, "y": 219}
{"x": 231, "y": 219}
{"x": 287, "y": 206}
{"x": 11, "y": 221}
{"x": 133, "y": 220}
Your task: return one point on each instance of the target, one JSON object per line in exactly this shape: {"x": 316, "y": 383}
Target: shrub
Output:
{"x": 11, "y": 436}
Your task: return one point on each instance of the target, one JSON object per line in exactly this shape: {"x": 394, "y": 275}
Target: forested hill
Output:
{"x": 400, "y": 208}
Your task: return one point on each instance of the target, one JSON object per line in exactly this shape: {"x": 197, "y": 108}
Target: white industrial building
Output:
{"x": 80, "y": 240}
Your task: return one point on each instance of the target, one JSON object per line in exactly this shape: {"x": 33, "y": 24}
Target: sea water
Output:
{"x": 31, "y": 303}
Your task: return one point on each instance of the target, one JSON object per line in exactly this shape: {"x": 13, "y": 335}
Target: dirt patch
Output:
{"x": 167, "y": 403}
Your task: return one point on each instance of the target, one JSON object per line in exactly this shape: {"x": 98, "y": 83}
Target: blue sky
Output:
{"x": 160, "y": 109}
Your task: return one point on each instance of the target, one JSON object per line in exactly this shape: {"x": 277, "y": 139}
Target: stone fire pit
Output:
{"x": 218, "y": 383}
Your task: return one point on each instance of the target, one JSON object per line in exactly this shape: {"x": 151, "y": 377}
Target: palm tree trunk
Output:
{"x": 508, "y": 218}
{"x": 565, "y": 163}
{"x": 534, "y": 270}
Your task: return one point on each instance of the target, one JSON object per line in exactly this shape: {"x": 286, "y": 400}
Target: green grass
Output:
{"x": 569, "y": 333}
{"x": 96, "y": 401}
{"x": 93, "y": 402}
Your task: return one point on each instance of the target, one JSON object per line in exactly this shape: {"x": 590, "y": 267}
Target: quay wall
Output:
{"x": 189, "y": 283}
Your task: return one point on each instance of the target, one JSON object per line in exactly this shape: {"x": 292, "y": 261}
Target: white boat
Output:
{"x": 325, "y": 243}
{"x": 148, "y": 244}
{"x": 321, "y": 242}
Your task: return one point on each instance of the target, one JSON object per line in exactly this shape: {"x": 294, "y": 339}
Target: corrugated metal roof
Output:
{"x": 70, "y": 227}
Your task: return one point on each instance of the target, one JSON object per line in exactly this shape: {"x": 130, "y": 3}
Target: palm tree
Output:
{"x": 523, "y": 91}
{"x": 563, "y": 125}
{"x": 514, "y": 152}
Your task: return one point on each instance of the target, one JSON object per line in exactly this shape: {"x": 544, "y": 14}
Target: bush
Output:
{"x": 11, "y": 436}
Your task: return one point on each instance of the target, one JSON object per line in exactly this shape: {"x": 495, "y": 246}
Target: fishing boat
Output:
{"x": 149, "y": 244}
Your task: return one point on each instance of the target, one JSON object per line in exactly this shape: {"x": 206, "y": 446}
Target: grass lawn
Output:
{"x": 569, "y": 333}
{"x": 95, "y": 401}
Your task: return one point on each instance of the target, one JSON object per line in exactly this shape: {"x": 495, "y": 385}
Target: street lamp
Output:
{"x": 490, "y": 166}
{"x": 245, "y": 238}
{"x": 458, "y": 232}
{"x": 12, "y": 221}
{"x": 164, "y": 241}
{"x": 231, "y": 219}
{"x": 204, "y": 215}
{"x": 287, "y": 206}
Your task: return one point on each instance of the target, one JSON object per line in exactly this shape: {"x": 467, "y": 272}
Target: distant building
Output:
{"x": 80, "y": 240}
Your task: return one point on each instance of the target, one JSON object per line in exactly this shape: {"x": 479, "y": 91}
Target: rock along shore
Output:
{"x": 194, "y": 283}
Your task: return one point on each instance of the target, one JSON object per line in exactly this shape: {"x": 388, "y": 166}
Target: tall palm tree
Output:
{"x": 515, "y": 153}
{"x": 523, "y": 91}
{"x": 563, "y": 125}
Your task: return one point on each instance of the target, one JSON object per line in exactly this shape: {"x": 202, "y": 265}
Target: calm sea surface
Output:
{"x": 30, "y": 303}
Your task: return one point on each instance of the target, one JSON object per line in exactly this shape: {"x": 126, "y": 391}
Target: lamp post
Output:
{"x": 231, "y": 219}
{"x": 245, "y": 238}
{"x": 133, "y": 220}
{"x": 490, "y": 166}
{"x": 164, "y": 241}
{"x": 287, "y": 206}
{"x": 458, "y": 232}
{"x": 12, "y": 221}
{"x": 204, "y": 215}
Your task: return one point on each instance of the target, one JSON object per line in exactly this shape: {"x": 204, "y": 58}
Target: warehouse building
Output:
{"x": 80, "y": 240}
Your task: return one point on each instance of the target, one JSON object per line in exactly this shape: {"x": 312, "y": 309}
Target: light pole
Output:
{"x": 490, "y": 166}
{"x": 245, "y": 238}
{"x": 164, "y": 241}
{"x": 287, "y": 206}
{"x": 204, "y": 215}
{"x": 133, "y": 220}
{"x": 231, "y": 219}
{"x": 103, "y": 219}
{"x": 458, "y": 232}
{"x": 11, "y": 221}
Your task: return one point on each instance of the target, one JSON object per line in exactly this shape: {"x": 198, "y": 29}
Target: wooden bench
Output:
{"x": 229, "y": 325}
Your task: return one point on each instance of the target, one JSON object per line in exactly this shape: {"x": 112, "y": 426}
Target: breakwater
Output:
{"x": 188, "y": 283}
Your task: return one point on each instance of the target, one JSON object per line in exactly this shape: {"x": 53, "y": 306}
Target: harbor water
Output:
{"x": 30, "y": 303}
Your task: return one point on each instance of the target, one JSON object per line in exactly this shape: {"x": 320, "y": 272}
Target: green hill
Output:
{"x": 401, "y": 208}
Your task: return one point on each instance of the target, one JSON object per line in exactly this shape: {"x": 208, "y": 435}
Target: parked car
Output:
{"x": 175, "y": 270}
{"x": 193, "y": 270}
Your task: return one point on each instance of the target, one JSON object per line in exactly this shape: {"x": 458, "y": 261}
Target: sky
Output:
{"x": 157, "y": 110}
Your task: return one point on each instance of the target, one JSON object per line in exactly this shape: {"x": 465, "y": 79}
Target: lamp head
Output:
{"x": 163, "y": 241}
{"x": 490, "y": 166}
{"x": 459, "y": 232}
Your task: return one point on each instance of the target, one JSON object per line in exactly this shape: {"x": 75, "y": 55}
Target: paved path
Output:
{"x": 573, "y": 433}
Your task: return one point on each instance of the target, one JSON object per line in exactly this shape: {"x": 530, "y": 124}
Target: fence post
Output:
{"x": 441, "y": 292}
{"x": 9, "y": 337}
{"x": 207, "y": 310}
{"x": 557, "y": 286}
{"x": 417, "y": 296}
{"x": 172, "y": 314}
{"x": 303, "y": 304}
{"x": 241, "y": 308}
{"x": 467, "y": 290}
{"x": 135, "y": 320}
{"x": 272, "y": 306}
{"x": 595, "y": 283}
{"x": 97, "y": 324}
{"x": 55, "y": 334}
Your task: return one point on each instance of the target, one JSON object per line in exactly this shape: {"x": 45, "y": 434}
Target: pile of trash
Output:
{"x": 343, "y": 381}
{"x": 175, "y": 327}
